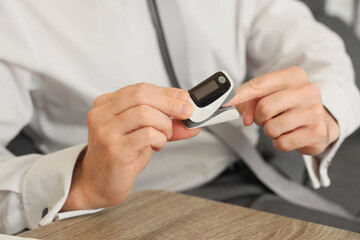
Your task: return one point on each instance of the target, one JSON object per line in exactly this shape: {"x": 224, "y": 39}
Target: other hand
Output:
{"x": 290, "y": 109}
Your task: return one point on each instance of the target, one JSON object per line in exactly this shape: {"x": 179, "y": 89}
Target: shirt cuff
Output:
{"x": 318, "y": 166}
{"x": 8, "y": 237}
{"x": 46, "y": 185}
{"x": 70, "y": 214}
{"x": 341, "y": 109}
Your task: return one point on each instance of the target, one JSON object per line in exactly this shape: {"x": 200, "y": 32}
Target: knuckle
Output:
{"x": 102, "y": 99}
{"x": 167, "y": 128}
{"x": 298, "y": 72}
{"x": 143, "y": 86}
{"x": 169, "y": 124}
{"x": 282, "y": 144}
{"x": 92, "y": 117}
{"x": 172, "y": 105}
{"x": 313, "y": 90}
{"x": 160, "y": 142}
{"x": 139, "y": 97}
{"x": 318, "y": 112}
{"x": 163, "y": 140}
{"x": 262, "y": 111}
{"x": 171, "y": 92}
{"x": 149, "y": 133}
{"x": 269, "y": 129}
{"x": 98, "y": 101}
{"x": 297, "y": 69}
{"x": 143, "y": 112}
{"x": 118, "y": 99}
{"x": 140, "y": 92}
{"x": 321, "y": 132}
{"x": 315, "y": 150}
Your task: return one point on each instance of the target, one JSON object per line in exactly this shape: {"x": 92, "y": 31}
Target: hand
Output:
{"x": 125, "y": 127}
{"x": 289, "y": 108}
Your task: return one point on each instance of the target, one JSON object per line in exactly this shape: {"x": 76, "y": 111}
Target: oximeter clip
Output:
{"x": 208, "y": 97}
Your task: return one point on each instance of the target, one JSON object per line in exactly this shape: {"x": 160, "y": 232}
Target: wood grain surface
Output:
{"x": 164, "y": 215}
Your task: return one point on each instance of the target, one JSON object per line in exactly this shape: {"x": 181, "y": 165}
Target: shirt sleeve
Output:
{"x": 33, "y": 188}
{"x": 284, "y": 34}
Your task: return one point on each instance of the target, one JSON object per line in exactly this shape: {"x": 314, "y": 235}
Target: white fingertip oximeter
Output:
{"x": 208, "y": 97}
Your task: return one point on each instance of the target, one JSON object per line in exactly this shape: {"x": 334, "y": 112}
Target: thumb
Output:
{"x": 247, "y": 111}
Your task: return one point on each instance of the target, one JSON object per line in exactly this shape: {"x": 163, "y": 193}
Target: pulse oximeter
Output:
{"x": 208, "y": 97}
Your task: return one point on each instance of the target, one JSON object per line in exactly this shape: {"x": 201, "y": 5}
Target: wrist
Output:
{"x": 75, "y": 198}
{"x": 333, "y": 128}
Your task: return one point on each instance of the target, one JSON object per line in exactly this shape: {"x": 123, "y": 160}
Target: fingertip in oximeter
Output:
{"x": 208, "y": 97}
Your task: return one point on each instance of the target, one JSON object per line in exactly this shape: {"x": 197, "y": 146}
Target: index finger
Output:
{"x": 171, "y": 101}
{"x": 267, "y": 84}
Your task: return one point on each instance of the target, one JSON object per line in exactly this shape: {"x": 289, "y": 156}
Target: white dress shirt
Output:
{"x": 56, "y": 57}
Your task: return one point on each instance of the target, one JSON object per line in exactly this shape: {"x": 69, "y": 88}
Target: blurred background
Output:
{"x": 347, "y": 10}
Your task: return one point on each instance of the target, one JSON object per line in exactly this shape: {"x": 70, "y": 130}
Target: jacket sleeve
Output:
{"x": 284, "y": 34}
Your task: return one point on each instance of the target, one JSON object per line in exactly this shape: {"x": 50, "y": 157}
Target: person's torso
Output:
{"x": 82, "y": 49}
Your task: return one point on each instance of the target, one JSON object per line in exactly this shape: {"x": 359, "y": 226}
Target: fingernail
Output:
{"x": 186, "y": 110}
{"x": 182, "y": 95}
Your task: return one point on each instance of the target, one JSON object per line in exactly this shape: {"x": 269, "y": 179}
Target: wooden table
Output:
{"x": 164, "y": 215}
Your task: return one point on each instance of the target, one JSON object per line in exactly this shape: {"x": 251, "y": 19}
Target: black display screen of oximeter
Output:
{"x": 210, "y": 89}
{"x": 205, "y": 90}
